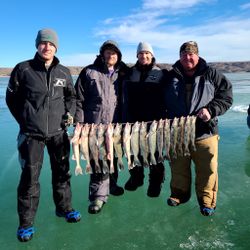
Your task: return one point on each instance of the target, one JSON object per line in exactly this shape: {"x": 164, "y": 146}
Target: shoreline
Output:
{"x": 224, "y": 67}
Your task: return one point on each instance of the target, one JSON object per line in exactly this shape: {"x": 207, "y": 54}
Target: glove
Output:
{"x": 68, "y": 119}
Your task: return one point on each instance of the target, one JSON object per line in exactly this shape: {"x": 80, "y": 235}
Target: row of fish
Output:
{"x": 141, "y": 143}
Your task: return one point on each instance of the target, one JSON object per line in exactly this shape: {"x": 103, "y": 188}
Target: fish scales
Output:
{"x": 135, "y": 136}
{"x": 160, "y": 140}
{"x": 126, "y": 144}
{"x": 117, "y": 137}
{"x": 84, "y": 147}
{"x": 110, "y": 146}
{"x": 94, "y": 152}
{"x": 144, "y": 144}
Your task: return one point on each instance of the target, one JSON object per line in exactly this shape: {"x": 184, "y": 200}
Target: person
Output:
{"x": 41, "y": 97}
{"x": 194, "y": 88}
{"x": 248, "y": 116}
{"x": 142, "y": 102}
{"x": 98, "y": 90}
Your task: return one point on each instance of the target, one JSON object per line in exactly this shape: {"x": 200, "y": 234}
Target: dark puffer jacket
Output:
{"x": 142, "y": 94}
{"x": 99, "y": 94}
{"x": 39, "y": 98}
{"x": 211, "y": 90}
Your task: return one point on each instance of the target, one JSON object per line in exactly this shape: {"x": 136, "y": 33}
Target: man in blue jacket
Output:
{"x": 41, "y": 97}
{"x": 194, "y": 88}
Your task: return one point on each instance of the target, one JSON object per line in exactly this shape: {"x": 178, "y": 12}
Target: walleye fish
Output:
{"x": 159, "y": 140}
{"x": 174, "y": 137}
{"x": 102, "y": 147}
{"x": 76, "y": 151}
{"x": 135, "y": 143}
{"x": 110, "y": 146}
{"x": 152, "y": 142}
{"x": 94, "y": 147}
{"x": 167, "y": 136}
{"x": 187, "y": 136}
{"x": 117, "y": 137}
{"x": 192, "y": 135}
{"x": 144, "y": 144}
{"x": 84, "y": 147}
{"x": 180, "y": 136}
{"x": 126, "y": 143}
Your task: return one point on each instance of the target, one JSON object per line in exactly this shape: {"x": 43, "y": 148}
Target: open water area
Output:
{"x": 134, "y": 221}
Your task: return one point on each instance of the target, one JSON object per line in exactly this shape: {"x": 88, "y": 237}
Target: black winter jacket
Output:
{"x": 211, "y": 90}
{"x": 142, "y": 94}
{"x": 39, "y": 98}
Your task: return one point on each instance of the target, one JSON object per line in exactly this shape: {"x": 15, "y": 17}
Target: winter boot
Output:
{"x": 156, "y": 178}
{"x": 136, "y": 178}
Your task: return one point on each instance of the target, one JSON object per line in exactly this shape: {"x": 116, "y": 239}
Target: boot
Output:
{"x": 156, "y": 178}
{"x": 136, "y": 178}
{"x": 114, "y": 189}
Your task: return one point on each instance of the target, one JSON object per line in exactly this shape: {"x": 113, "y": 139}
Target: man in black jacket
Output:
{"x": 143, "y": 101}
{"x": 194, "y": 88}
{"x": 41, "y": 97}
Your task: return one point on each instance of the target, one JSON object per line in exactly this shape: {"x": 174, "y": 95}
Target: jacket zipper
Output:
{"x": 48, "y": 99}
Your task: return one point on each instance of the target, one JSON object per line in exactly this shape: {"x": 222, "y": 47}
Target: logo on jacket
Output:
{"x": 152, "y": 77}
{"x": 59, "y": 82}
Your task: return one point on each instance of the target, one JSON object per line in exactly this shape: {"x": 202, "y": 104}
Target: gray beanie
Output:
{"x": 47, "y": 35}
{"x": 110, "y": 44}
{"x": 144, "y": 46}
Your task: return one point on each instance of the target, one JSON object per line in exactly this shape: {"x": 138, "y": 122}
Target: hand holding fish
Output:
{"x": 204, "y": 114}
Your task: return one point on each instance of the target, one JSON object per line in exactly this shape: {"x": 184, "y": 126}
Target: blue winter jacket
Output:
{"x": 211, "y": 90}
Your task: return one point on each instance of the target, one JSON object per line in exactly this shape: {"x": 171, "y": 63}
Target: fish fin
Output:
{"x": 78, "y": 170}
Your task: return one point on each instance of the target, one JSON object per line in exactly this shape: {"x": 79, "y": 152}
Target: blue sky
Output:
{"x": 221, "y": 28}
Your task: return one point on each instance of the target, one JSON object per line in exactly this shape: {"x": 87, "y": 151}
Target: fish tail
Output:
{"x": 88, "y": 169}
{"x": 152, "y": 160}
{"x": 160, "y": 158}
{"x": 137, "y": 161}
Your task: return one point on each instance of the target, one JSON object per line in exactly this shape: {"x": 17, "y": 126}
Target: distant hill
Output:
{"x": 225, "y": 67}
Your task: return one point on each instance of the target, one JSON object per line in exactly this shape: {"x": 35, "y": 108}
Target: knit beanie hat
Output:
{"x": 47, "y": 35}
{"x": 144, "y": 46}
{"x": 189, "y": 47}
{"x": 112, "y": 45}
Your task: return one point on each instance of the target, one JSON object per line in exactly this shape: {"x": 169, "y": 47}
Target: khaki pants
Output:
{"x": 205, "y": 159}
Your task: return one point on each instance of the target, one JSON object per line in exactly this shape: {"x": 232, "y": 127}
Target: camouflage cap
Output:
{"x": 189, "y": 47}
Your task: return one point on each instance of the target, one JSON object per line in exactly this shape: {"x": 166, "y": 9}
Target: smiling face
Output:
{"x": 145, "y": 57}
{"x": 47, "y": 51}
{"x": 189, "y": 61}
{"x": 110, "y": 57}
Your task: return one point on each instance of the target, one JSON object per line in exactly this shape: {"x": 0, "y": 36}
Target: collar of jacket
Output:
{"x": 102, "y": 66}
{"x": 145, "y": 68}
{"x": 201, "y": 67}
{"x": 40, "y": 62}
